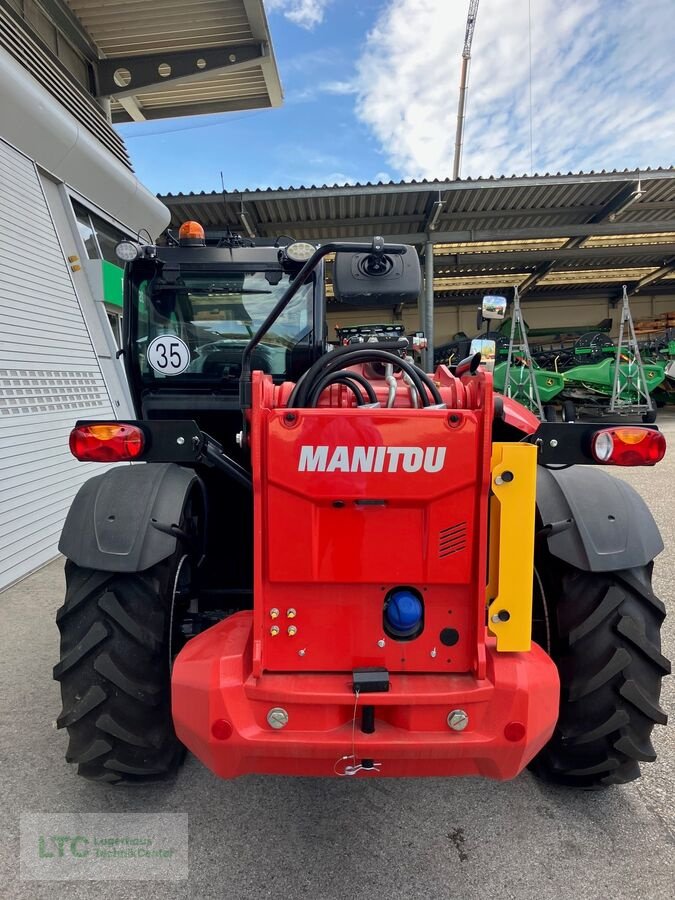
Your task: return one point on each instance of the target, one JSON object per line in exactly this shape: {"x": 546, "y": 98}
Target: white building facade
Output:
{"x": 67, "y": 195}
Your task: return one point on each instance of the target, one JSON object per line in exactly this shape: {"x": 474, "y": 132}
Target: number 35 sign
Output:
{"x": 168, "y": 354}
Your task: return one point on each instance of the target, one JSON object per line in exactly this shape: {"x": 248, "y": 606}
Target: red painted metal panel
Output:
{"x": 212, "y": 682}
{"x": 353, "y": 502}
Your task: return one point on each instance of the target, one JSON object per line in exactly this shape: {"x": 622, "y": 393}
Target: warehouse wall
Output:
{"x": 450, "y": 319}
{"x": 50, "y": 374}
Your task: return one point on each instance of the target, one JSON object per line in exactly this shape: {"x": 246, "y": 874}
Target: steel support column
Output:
{"x": 428, "y": 305}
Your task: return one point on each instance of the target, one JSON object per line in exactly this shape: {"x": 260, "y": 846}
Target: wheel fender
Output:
{"x": 114, "y": 523}
{"x": 594, "y": 521}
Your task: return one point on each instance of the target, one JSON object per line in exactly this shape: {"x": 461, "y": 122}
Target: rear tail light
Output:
{"x": 628, "y": 446}
{"x": 106, "y": 442}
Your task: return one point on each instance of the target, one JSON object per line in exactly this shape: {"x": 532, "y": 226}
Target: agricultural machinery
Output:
{"x": 582, "y": 370}
{"x": 336, "y": 563}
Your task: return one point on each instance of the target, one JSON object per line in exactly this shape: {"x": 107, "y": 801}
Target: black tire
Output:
{"x": 569, "y": 411}
{"x": 649, "y": 417}
{"x": 603, "y": 633}
{"x": 118, "y": 640}
{"x": 549, "y": 413}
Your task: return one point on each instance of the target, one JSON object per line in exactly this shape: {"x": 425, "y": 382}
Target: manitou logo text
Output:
{"x": 371, "y": 459}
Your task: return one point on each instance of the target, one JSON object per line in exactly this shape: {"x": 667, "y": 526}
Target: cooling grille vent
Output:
{"x": 452, "y": 539}
{"x": 25, "y": 391}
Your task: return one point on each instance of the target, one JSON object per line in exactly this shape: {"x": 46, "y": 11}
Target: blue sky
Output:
{"x": 371, "y": 94}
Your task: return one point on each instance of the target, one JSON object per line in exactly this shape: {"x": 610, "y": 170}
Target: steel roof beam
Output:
{"x": 411, "y": 219}
{"x": 585, "y": 230}
{"x": 181, "y": 66}
{"x": 582, "y": 212}
{"x": 620, "y": 201}
{"x": 255, "y": 12}
{"x": 132, "y": 107}
{"x": 466, "y": 236}
{"x": 381, "y": 221}
{"x": 199, "y": 108}
{"x": 464, "y": 297}
{"x": 653, "y": 277}
{"x": 606, "y": 293}
{"x": 517, "y": 257}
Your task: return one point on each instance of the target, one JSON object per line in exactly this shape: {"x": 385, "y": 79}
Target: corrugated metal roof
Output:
{"x": 505, "y": 203}
{"x": 556, "y": 212}
{"x": 127, "y": 28}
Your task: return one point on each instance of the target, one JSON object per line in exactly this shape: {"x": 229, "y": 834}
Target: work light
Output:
{"x": 126, "y": 251}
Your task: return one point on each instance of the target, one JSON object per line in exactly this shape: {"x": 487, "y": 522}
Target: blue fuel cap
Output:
{"x": 403, "y": 612}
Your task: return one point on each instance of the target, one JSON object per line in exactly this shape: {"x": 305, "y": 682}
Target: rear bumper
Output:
{"x": 212, "y": 683}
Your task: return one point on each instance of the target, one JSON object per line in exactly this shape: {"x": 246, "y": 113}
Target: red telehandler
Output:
{"x": 335, "y": 563}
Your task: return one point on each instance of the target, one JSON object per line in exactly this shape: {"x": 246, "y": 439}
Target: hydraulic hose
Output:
{"x": 299, "y": 394}
{"x": 348, "y": 383}
{"x": 417, "y": 375}
{"x": 346, "y": 377}
{"x": 373, "y": 355}
{"x": 433, "y": 390}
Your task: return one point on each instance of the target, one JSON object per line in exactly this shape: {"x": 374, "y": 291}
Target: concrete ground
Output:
{"x": 342, "y": 838}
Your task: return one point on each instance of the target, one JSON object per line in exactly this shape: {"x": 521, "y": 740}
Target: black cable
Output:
{"x": 329, "y": 381}
{"x": 343, "y": 376}
{"x": 363, "y": 381}
{"x": 416, "y": 375}
{"x": 299, "y": 393}
{"x": 370, "y": 355}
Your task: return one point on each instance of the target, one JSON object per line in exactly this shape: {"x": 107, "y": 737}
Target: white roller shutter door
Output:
{"x": 49, "y": 374}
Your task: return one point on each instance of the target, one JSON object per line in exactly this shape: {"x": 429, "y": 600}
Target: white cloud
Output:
{"x": 312, "y": 92}
{"x": 603, "y": 85}
{"x": 305, "y": 13}
{"x": 338, "y": 87}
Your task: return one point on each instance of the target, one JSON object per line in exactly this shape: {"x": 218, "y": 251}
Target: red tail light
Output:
{"x": 628, "y": 446}
{"x": 106, "y": 442}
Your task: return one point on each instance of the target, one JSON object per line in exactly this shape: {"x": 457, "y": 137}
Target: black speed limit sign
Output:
{"x": 168, "y": 354}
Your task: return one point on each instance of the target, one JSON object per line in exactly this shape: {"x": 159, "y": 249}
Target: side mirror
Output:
{"x": 377, "y": 278}
{"x": 493, "y": 307}
{"x": 487, "y": 350}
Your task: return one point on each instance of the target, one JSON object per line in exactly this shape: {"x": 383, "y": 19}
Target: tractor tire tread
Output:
{"x": 96, "y": 634}
{"x": 631, "y": 630}
{"x": 628, "y": 745}
{"x": 633, "y": 693}
{"x": 94, "y": 696}
{"x": 614, "y": 722}
{"x": 585, "y": 685}
{"x": 143, "y": 691}
{"x": 607, "y": 648}
{"x": 611, "y": 600}
{"x": 115, "y": 674}
{"x": 141, "y": 634}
